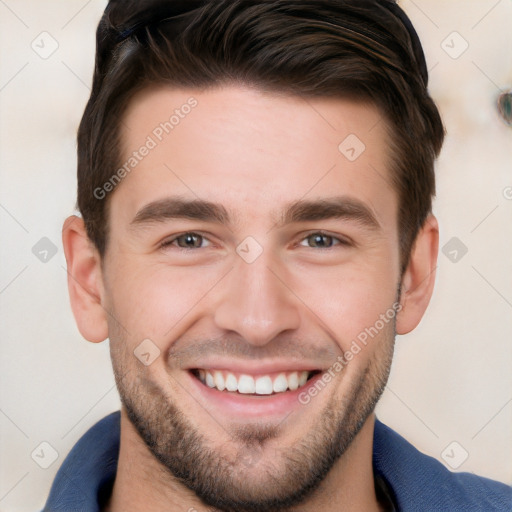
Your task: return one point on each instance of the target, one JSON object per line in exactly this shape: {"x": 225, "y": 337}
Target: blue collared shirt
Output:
{"x": 415, "y": 482}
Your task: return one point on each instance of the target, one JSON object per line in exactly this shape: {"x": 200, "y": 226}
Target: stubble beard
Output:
{"x": 248, "y": 483}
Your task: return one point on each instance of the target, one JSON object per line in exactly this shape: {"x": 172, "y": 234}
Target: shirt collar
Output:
{"x": 85, "y": 479}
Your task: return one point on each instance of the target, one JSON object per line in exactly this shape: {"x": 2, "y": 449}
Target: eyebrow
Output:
{"x": 341, "y": 207}
{"x": 180, "y": 208}
{"x": 331, "y": 208}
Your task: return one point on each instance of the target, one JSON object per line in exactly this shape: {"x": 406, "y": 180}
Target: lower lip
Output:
{"x": 238, "y": 405}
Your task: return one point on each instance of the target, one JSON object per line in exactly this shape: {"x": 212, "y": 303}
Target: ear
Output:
{"x": 419, "y": 277}
{"x": 85, "y": 282}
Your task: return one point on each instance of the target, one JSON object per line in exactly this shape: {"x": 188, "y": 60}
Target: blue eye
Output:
{"x": 187, "y": 241}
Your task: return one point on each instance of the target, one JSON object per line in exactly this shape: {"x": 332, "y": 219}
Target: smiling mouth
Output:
{"x": 270, "y": 384}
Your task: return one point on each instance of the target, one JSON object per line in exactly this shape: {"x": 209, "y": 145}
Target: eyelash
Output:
{"x": 341, "y": 241}
{"x": 170, "y": 241}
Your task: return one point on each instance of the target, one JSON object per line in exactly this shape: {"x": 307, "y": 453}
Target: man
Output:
{"x": 255, "y": 182}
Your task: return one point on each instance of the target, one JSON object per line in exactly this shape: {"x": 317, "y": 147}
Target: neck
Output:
{"x": 142, "y": 483}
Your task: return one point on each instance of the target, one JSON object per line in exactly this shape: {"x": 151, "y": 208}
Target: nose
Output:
{"x": 256, "y": 302}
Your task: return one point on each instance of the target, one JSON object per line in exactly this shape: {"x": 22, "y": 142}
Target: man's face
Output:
{"x": 294, "y": 255}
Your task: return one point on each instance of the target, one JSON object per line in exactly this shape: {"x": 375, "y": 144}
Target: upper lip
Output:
{"x": 254, "y": 367}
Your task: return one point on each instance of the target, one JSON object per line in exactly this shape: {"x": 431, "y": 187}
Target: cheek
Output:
{"x": 160, "y": 302}
{"x": 150, "y": 301}
{"x": 351, "y": 301}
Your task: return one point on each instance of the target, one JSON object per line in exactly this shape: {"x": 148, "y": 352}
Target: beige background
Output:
{"x": 451, "y": 379}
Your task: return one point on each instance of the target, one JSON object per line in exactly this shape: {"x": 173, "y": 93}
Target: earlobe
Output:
{"x": 419, "y": 277}
{"x": 85, "y": 282}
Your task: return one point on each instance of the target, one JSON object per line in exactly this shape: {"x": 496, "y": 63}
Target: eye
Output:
{"x": 187, "y": 241}
{"x": 322, "y": 241}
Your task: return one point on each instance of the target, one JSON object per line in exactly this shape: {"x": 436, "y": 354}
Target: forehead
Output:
{"x": 251, "y": 150}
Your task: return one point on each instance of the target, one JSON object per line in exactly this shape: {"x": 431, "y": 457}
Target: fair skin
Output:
{"x": 296, "y": 307}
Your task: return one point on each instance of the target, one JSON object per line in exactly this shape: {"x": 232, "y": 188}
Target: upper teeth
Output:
{"x": 247, "y": 384}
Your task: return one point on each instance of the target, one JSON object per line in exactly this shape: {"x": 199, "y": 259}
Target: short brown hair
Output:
{"x": 364, "y": 50}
